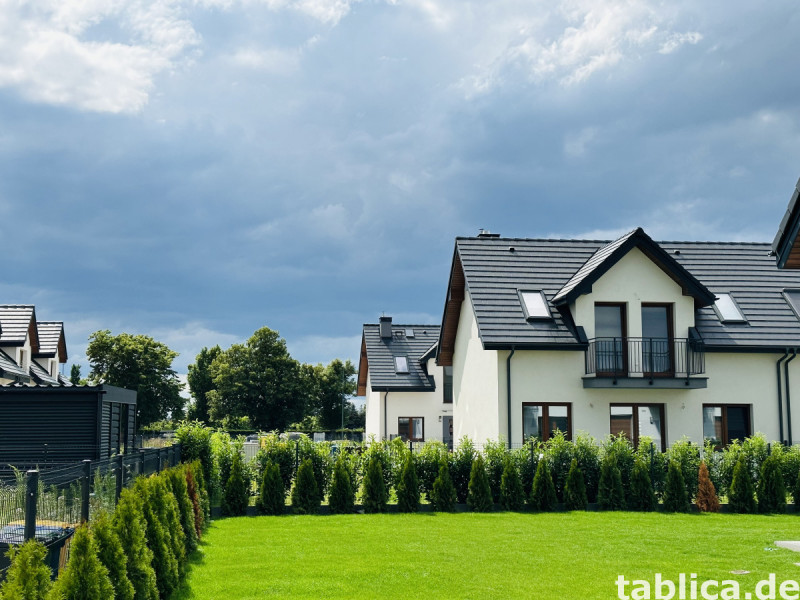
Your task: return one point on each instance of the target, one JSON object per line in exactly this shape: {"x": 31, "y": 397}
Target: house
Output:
{"x": 786, "y": 245}
{"x": 407, "y": 394}
{"x": 30, "y": 350}
{"x": 633, "y": 336}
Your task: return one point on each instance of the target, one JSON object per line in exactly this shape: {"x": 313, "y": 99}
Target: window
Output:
{"x": 793, "y": 298}
{"x": 400, "y": 364}
{"x": 411, "y": 429}
{"x": 635, "y": 421}
{"x": 409, "y": 333}
{"x": 611, "y": 348}
{"x": 448, "y": 385}
{"x": 723, "y": 423}
{"x": 541, "y": 421}
{"x": 727, "y": 310}
{"x": 535, "y": 305}
{"x": 657, "y": 340}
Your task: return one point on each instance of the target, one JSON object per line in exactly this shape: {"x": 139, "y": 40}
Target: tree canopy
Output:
{"x": 201, "y": 382}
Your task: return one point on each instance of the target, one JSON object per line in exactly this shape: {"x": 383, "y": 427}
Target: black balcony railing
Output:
{"x": 644, "y": 357}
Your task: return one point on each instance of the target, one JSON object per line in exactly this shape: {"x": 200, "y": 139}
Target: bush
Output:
{"x": 342, "y": 497}
{"x": 771, "y": 489}
{"x": 642, "y": 496}
{"x": 165, "y": 563}
{"x": 740, "y": 495}
{"x": 512, "y": 494}
{"x": 130, "y": 527}
{"x": 196, "y": 498}
{"x": 319, "y": 454}
{"x": 575, "y": 488}
{"x": 543, "y": 493}
{"x": 195, "y": 441}
{"x": 278, "y": 452}
{"x": 28, "y": 577}
{"x": 378, "y": 451}
{"x": 687, "y": 457}
{"x": 558, "y": 451}
{"x": 306, "y": 497}
{"x": 443, "y": 495}
{"x": 610, "y": 495}
{"x": 675, "y": 497}
{"x": 619, "y": 449}
{"x": 461, "y": 467}
{"x": 495, "y": 462}
{"x": 85, "y": 577}
{"x": 271, "y": 493}
{"x": 111, "y": 554}
{"x": 429, "y": 459}
{"x": 236, "y": 496}
{"x": 707, "y": 500}
{"x": 796, "y": 492}
{"x": 202, "y": 494}
{"x": 408, "y": 488}
{"x": 176, "y": 477}
{"x": 479, "y": 496}
{"x": 586, "y": 451}
{"x": 527, "y": 459}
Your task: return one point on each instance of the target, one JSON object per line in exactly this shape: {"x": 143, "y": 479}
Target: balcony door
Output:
{"x": 610, "y": 344}
{"x": 657, "y": 340}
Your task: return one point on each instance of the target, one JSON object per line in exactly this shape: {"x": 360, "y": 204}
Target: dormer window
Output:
{"x": 401, "y": 365}
{"x": 727, "y": 310}
{"x": 534, "y": 304}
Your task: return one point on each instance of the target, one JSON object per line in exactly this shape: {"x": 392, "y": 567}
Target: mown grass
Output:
{"x": 477, "y": 556}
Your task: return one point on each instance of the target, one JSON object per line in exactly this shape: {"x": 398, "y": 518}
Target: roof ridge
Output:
{"x": 598, "y": 241}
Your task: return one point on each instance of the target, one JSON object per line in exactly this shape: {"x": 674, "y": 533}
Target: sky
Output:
{"x": 194, "y": 170}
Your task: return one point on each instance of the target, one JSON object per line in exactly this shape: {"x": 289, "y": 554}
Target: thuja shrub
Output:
{"x": 203, "y": 495}
{"x": 170, "y": 514}
{"x": 559, "y": 451}
{"x": 111, "y": 554}
{"x": 159, "y": 541}
{"x": 279, "y": 452}
{"x": 796, "y": 491}
{"x": 512, "y": 494}
{"x": 707, "y": 499}
{"x": 130, "y": 526}
{"x": 687, "y": 456}
{"x": 319, "y": 454}
{"x": 28, "y": 577}
{"x": 479, "y": 495}
{"x": 271, "y": 493}
{"x": 195, "y": 440}
{"x": 586, "y": 451}
{"x": 236, "y": 496}
{"x": 375, "y": 494}
{"x": 654, "y": 460}
{"x": 461, "y": 467}
{"x": 575, "y": 497}
{"x": 176, "y": 477}
{"x": 85, "y": 577}
{"x": 223, "y": 449}
{"x": 379, "y": 451}
{"x": 408, "y": 488}
{"x": 342, "y": 495}
{"x": 771, "y": 490}
{"x": 527, "y": 459}
{"x": 428, "y": 460}
{"x": 398, "y": 452}
{"x": 443, "y": 495}
{"x": 306, "y": 496}
{"x": 741, "y": 493}
{"x": 194, "y": 495}
{"x": 543, "y": 493}
{"x": 620, "y": 450}
{"x": 610, "y": 495}
{"x": 495, "y": 460}
{"x": 642, "y": 496}
{"x": 676, "y": 499}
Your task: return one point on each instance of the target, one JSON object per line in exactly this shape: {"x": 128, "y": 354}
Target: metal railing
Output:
{"x": 645, "y": 357}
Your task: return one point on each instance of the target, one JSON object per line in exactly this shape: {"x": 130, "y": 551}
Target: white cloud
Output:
{"x": 676, "y": 40}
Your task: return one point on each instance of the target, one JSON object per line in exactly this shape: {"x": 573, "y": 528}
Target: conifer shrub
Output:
{"x": 461, "y": 467}
{"x": 195, "y": 440}
{"x": 85, "y": 577}
{"x": 408, "y": 488}
{"x": 619, "y": 449}
{"x": 512, "y": 494}
{"x": 176, "y": 477}
{"x": 165, "y": 563}
{"x": 28, "y": 577}
{"x": 194, "y": 496}
{"x": 741, "y": 493}
{"x": 131, "y": 529}
{"x": 306, "y": 497}
{"x": 495, "y": 454}
{"x": 375, "y": 494}
{"x": 642, "y": 495}
{"x": 687, "y": 456}
{"x": 170, "y": 515}
{"x": 771, "y": 489}
{"x": 236, "y": 494}
{"x": 559, "y": 450}
{"x": 203, "y": 495}
{"x": 428, "y": 461}
{"x": 479, "y": 495}
{"x": 279, "y": 452}
{"x": 586, "y": 451}
{"x": 543, "y": 493}
{"x": 443, "y": 494}
{"x": 271, "y": 493}
{"x": 319, "y": 453}
{"x": 675, "y": 497}
{"x": 342, "y": 495}
{"x": 707, "y": 499}
{"x": 796, "y": 492}
{"x": 575, "y": 488}
{"x": 111, "y": 554}
{"x": 610, "y": 495}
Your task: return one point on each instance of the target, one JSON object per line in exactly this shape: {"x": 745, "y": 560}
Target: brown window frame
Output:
{"x": 623, "y": 308}
{"x": 407, "y": 436}
{"x": 635, "y": 405}
{"x": 447, "y": 398}
{"x": 670, "y": 338}
{"x": 725, "y": 441}
{"x": 546, "y": 419}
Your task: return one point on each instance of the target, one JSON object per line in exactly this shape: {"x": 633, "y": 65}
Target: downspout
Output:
{"x": 385, "y": 417}
{"x": 780, "y": 396}
{"x": 508, "y": 392}
{"x": 788, "y": 396}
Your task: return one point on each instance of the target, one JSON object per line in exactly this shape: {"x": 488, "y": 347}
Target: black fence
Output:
{"x": 647, "y": 357}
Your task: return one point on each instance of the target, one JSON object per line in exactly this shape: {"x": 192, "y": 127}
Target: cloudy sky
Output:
{"x": 196, "y": 169}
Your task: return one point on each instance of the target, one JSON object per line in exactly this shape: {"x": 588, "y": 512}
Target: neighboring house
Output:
{"x": 632, "y": 336}
{"x": 786, "y": 245}
{"x": 407, "y": 395}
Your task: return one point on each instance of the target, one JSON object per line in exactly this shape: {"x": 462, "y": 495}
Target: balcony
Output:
{"x": 644, "y": 363}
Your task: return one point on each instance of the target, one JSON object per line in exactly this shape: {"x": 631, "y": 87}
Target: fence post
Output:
{"x": 85, "y": 482}
{"x": 142, "y": 454}
{"x": 31, "y": 497}
{"x": 120, "y": 468}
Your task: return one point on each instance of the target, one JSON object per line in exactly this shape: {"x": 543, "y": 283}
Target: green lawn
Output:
{"x": 466, "y": 555}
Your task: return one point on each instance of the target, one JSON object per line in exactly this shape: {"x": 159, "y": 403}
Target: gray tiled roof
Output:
{"x": 40, "y": 375}
{"x": 15, "y": 319}
{"x": 381, "y": 354}
{"x": 10, "y": 369}
{"x": 494, "y": 273}
{"x": 50, "y": 333}
{"x": 64, "y": 381}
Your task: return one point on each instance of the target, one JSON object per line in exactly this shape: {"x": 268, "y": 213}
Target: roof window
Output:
{"x": 727, "y": 310}
{"x": 400, "y": 364}
{"x": 534, "y": 304}
{"x": 793, "y": 298}
{"x": 409, "y": 333}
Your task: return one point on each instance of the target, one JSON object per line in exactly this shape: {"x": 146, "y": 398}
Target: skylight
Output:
{"x": 401, "y": 364}
{"x": 409, "y": 333}
{"x": 534, "y": 304}
{"x": 793, "y": 298}
{"x": 727, "y": 309}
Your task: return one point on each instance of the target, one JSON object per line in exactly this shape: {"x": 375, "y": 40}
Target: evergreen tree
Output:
{"x": 199, "y": 476}
{"x": 543, "y": 494}
{"x": 374, "y": 495}
{"x": 740, "y": 494}
{"x": 642, "y": 496}
{"x": 575, "y": 488}
{"x": 237, "y": 495}
{"x": 170, "y": 515}
{"x": 707, "y": 499}
{"x": 176, "y": 478}
{"x": 479, "y": 495}
{"x": 165, "y": 563}
{"x": 443, "y": 495}
{"x": 111, "y": 554}
{"x": 675, "y": 497}
{"x": 271, "y": 494}
{"x": 196, "y": 499}
{"x": 130, "y": 527}
{"x": 408, "y": 488}
{"x": 28, "y": 577}
{"x": 609, "y": 491}
{"x": 305, "y": 493}
{"x": 512, "y": 494}
{"x": 771, "y": 489}
{"x": 342, "y": 495}
{"x": 85, "y": 577}
{"x": 796, "y": 493}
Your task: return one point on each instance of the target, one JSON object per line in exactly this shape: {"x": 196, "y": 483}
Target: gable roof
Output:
{"x": 9, "y": 368}
{"x": 786, "y": 244}
{"x": 378, "y": 354}
{"x": 51, "y": 340}
{"x": 41, "y": 376}
{"x": 17, "y": 323}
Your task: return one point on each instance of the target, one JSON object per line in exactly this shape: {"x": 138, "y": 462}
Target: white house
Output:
{"x": 407, "y": 394}
{"x": 31, "y": 351}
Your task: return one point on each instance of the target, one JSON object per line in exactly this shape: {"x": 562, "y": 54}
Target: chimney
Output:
{"x": 386, "y": 327}
{"x": 485, "y": 233}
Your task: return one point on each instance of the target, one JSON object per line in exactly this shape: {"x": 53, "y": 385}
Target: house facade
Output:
{"x": 31, "y": 351}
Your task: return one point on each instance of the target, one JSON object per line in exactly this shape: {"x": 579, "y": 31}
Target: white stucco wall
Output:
{"x": 374, "y": 406}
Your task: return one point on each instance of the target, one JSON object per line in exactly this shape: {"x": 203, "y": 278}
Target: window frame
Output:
{"x": 670, "y": 341}
{"x": 635, "y": 406}
{"x": 725, "y": 441}
{"x": 524, "y": 304}
{"x": 397, "y": 370}
{"x": 546, "y": 419}
{"x": 623, "y": 309}
{"x": 408, "y": 435}
{"x": 721, "y": 317}
{"x": 447, "y": 384}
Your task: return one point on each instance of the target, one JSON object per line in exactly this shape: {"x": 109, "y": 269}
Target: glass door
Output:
{"x": 657, "y": 343}
{"x": 610, "y": 342}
